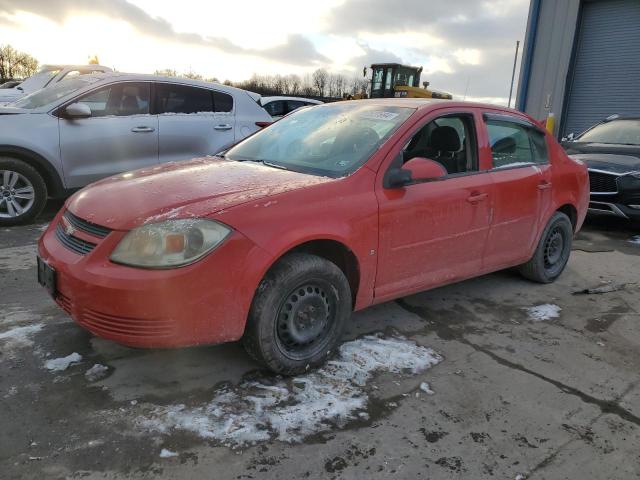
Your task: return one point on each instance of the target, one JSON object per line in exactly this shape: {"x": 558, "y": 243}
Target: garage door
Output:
{"x": 606, "y": 73}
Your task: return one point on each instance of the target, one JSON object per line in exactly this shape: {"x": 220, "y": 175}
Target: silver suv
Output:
{"x": 83, "y": 129}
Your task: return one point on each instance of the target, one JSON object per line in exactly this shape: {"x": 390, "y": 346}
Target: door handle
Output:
{"x": 143, "y": 129}
{"x": 225, "y": 126}
{"x": 544, "y": 185}
{"x": 477, "y": 197}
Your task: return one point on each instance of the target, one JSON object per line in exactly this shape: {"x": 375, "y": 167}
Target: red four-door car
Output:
{"x": 330, "y": 210}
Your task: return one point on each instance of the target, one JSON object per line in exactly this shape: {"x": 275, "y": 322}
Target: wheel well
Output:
{"x": 571, "y": 212}
{"x": 42, "y": 166}
{"x": 336, "y": 253}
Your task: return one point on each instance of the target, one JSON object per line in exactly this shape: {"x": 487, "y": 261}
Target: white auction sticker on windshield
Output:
{"x": 379, "y": 115}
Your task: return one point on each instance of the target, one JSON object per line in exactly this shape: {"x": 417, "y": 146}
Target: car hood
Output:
{"x": 610, "y": 162}
{"x": 8, "y": 110}
{"x": 196, "y": 188}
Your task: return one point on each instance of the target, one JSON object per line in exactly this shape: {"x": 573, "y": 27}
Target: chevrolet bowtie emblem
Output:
{"x": 68, "y": 228}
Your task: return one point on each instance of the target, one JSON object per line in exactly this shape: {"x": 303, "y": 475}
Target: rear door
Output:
{"x": 193, "y": 121}
{"x": 521, "y": 176}
{"x": 120, "y": 135}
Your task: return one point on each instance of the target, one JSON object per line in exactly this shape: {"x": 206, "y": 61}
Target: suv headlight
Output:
{"x": 169, "y": 244}
{"x": 635, "y": 175}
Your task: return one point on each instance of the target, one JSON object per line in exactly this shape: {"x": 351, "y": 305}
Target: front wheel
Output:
{"x": 553, "y": 250}
{"x": 23, "y": 193}
{"x": 298, "y": 314}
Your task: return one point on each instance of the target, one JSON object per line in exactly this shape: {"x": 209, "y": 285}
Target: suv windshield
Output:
{"x": 330, "y": 140}
{"x": 48, "y": 95}
{"x": 621, "y": 132}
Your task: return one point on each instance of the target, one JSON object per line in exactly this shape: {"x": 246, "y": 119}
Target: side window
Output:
{"x": 513, "y": 144}
{"x": 294, "y": 104}
{"x": 222, "y": 102}
{"x": 121, "y": 99}
{"x": 171, "y": 98}
{"x": 449, "y": 140}
{"x": 275, "y": 108}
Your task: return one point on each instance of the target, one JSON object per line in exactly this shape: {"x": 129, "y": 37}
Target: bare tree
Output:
{"x": 320, "y": 78}
{"x": 166, "y": 72}
{"x": 16, "y": 64}
{"x": 295, "y": 84}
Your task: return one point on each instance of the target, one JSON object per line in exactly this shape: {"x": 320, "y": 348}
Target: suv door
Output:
{"x": 119, "y": 136}
{"x": 435, "y": 232}
{"x": 193, "y": 121}
{"x": 521, "y": 175}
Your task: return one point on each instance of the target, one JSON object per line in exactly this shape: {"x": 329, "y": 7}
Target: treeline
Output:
{"x": 319, "y": 84}
{"x": 16, "y": 64}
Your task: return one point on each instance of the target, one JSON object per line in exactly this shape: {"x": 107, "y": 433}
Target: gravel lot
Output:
{"x": 466, "y": 381}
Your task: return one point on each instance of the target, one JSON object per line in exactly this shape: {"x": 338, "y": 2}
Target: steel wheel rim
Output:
{"x": 554, "y": 247}
{"x": 17, "y": 194}
{"x": 305, "y": 319}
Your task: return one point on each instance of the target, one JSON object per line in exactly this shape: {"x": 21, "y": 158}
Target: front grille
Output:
{"x": 137, "y": 327}
{"x": 74, "y": 244}
{"x": 65, "y": 303}
{"x": 602, "y": 182}
{"x": 85, "y": 226}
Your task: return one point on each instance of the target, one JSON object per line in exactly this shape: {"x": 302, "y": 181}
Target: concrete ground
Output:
{"x": 512, "y": 397}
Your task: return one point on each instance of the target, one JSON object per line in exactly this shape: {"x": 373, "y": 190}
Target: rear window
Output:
{"x": 222, "y": 102}
{"x": 183, "y": 99}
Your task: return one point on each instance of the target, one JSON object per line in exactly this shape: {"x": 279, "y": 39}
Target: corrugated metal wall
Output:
{"x": 605, "y": 77}
{"x": 556, "y": 26}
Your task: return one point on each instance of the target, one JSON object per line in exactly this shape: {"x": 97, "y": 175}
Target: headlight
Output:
{"x": 173, "y": 243}
{"x": 635, "y": 175}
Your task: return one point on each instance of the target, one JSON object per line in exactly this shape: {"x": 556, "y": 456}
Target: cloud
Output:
{"x": 297, "y": 50}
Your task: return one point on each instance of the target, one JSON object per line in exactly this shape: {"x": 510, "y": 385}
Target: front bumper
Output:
{"x": 623, "y": 203}
{"x": 203, "y": 303}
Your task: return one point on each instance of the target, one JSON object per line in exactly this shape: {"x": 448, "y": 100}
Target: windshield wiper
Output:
{"x": 274, "y": 165}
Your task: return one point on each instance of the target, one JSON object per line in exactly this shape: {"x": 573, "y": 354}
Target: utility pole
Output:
{"x": 513, "y": 74}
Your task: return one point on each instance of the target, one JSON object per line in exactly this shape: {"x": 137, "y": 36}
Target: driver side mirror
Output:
{"x": 77, "y": 110}
{"x": 416, "y": 170}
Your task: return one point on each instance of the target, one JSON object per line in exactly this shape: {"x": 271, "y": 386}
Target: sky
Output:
{"x": 465, "y": 46}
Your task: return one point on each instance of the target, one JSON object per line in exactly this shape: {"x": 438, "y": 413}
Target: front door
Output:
{"x": 119, "y": 136}
{"x": 193, "y": 122}
{"x": 435, "y": 232}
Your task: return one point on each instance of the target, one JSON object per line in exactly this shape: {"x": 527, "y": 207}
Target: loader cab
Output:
{"x": 387, "y": 76}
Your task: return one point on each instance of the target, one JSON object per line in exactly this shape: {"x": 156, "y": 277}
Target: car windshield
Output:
{"x": 329, "y": 140}
{"x": 49, "y": 95}
{"x": 38, "y": 81}
{"x": 621, "y": 132}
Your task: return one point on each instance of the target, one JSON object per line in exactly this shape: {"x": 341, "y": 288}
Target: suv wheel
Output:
{"x": 298, "y": 314}
{"x": 552, "y": 252}
{"x": 23, "y": 193}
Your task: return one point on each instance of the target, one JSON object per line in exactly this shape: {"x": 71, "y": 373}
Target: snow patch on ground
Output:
{"x": 543, "y": 312}
{"x": 61, "y": 364}
{"x": 18, "y": 258}
{"x": 291, "y": 409}
{"x": 19, "y": 336}
{"x": 424, "y": 386}
{"x": 96, "y": 372}
{"x": 164, "y": 453}
{"x": 635, "y": 240}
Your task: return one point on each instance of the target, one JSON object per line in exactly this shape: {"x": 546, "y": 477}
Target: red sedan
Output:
{"x": 330, "y": 210}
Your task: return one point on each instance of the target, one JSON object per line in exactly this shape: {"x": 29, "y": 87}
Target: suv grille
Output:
{"x": 87, "y": 227}
{"x": 602, "y": 182}
{"x": 74, "y": 244}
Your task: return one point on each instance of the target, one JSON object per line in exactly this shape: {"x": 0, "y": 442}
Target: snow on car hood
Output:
{"x": 197, "y": 188}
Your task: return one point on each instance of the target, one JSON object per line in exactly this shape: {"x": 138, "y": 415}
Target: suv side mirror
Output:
{"x": 77, "y": 110}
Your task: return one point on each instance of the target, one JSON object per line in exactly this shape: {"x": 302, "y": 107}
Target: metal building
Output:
{"x": 581, "y": 61}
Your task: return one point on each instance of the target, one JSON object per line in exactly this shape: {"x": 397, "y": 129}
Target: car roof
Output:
{"x": 132, "y": 77}
{"x": 280, "y": 97}
{"x": 429, "y": 103}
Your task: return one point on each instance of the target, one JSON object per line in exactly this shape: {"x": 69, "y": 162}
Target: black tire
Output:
{"x": 27, "y": 178}
{"x": 553, "y": 251}
{"x": 298, "y": 314}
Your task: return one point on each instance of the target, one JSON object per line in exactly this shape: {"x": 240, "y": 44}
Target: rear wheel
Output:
{"x": 298, "y": 314}
{"x": 553, "y": 250}
{"x": 23, "y": 193}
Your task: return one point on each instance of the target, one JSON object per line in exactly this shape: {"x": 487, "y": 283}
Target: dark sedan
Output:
{"x": 611, "y": 150}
